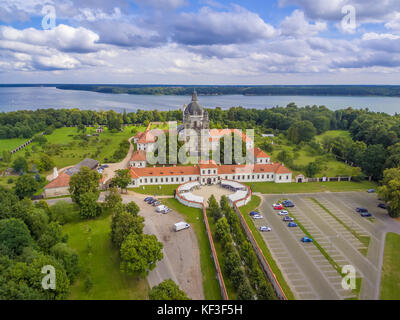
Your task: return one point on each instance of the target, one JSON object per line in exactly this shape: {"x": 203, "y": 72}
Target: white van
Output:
{"x": 161, "y": 208}
{"x": 180, "y": 226}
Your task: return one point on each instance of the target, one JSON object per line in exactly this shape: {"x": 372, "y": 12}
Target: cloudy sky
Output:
{"x": 200, "y": 42}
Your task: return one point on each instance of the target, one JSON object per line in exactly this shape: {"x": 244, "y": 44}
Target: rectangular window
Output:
{"x": 166, "y": 179}
{"x": 162, "y": 179}
{"x": 145, "y": 180}
{"x": 280, "y": 177}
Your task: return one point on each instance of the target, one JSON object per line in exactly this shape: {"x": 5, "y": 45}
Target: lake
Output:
{"x": 32, "y": 98}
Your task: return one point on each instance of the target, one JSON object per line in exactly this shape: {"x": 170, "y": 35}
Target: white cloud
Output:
{"x": 208, "y": 27}
{"x": 296, "y": 25}
{"x": 62, "y": 37}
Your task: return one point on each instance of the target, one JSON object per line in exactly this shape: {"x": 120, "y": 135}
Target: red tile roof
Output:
{"x": 61, "y": 181}
{"x": 195, "y": 170}
{"x": 258, "y": 153}
{"x": 139, "y": 155}
{"x": 282, "y": 169}
{"x": 207, "y": 164}
{"x": 165, "y": 171}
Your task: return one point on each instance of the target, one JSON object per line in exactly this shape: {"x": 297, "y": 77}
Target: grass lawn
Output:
{"x": 245, "y": 210}
{"x": 390, "y": 282}
{"x": 310, "y": 187}
{"x": 73, "y": 152}
{"x": 102, "y": 263}
{"x": 194, "y": 217}
{"x": 305, "y": 155}
{"x": 160, "y": 190}
{"x": 11, "y": 144}
{"x": 4, "y": 181}
{"x": 334, "y": 134}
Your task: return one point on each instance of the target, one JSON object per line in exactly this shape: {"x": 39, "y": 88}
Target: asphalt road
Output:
{"x": 307, "y": 271}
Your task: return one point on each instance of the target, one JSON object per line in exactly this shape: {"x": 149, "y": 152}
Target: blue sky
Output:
{"x": 201, "y": 42}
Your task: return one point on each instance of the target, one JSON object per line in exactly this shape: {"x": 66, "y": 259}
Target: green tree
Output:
{"x": 301, "y": 131}
{"x": 390, "y": 191}
{"x": 132, "y": 208}
{"x": 69, "y": 259}
{"x": 373, "y": 161}
{"x": 140, "y": 253}
{"x": 20, "y": 164}
{"x": 88, "y": 206}
{"x": 8, "y": 200}
{"x": 6, "y": 156}
{"x": 26, "y": 186}
{"x": 112, "y": 199}
{"x": 14, "y": 237}
{"x": 51, "y": 236}
{"x": 63, "y": 212}
{"x": 245, "y": 292}
{"x": 85, "y": 181}
{"x": 167, "y": 290}
{"x": 222, "y": 228}
{"x": 312, "y": 169}
{"x": 45, "y": 163}
{"x": 122, "y": 179}
{"x": 123, "y": 224}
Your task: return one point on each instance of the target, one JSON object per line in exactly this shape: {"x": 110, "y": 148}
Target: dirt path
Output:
{"x": 109, "y": 172}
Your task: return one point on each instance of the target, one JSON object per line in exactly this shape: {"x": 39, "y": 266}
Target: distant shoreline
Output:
{"x": 221, "y": 90}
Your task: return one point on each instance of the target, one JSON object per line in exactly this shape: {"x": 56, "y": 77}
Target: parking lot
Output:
{"x": 307, "y": 270}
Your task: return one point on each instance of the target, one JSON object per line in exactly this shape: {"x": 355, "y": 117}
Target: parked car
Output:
{"x": 257, "y": 216}
{"x": 148, "y": 199}
{"x": 292, "y": 225}
{"x": 156, "y": 203}
{"x": 361, "y": 210}
{"x": 277, "y": 206}
{"x": 166, "y": 210}
{"x": 161, "y": 208}
{"x": 306, "y": 239}
{"x": 283, "y": 213}
{"x": 382, "y": 206}
{"x": 152, "y": 201}
{"x": 265, "y": 229}
{"x": 365, "y": 214}
{"x": 371, "y": 190}
{"x": 253, "y": 213}
{"x": 288, "y": 204}
{"x": 288, "y": 219}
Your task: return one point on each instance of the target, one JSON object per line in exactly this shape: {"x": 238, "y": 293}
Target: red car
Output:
{"x": 277, "y": 206}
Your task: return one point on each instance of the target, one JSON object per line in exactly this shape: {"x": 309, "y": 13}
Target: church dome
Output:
{"x": 194, "y": 108}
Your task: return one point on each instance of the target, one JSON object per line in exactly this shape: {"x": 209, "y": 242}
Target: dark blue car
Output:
{"x": 292, "y": 224}
{"x": 148, "y": 199}
{"x": 360, "y": 210}
{"x": 253, "y": 213}
{"x": 365, "y": 214}
{"x": 306, "y": 239}
{"x": 288, "y": 204}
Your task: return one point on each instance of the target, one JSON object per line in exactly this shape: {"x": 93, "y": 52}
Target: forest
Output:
{"x": 373, "y": 144}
